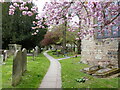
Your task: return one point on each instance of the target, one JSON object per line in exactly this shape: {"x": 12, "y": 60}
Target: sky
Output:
{"x": 40, "y": 4}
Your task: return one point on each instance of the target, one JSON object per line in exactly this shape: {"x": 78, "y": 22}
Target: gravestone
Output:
{"x": 33, "y": 54}
{"x": 17, "y": 68}
{"x": 5, "y": 55}
{"x": 1, "y": 59}
{"x": 36, "y": 50}
{"x": 24, "y": 60}
{"x": 14, "y": 47}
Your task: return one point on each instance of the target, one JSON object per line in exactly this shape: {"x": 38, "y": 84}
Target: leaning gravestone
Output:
{"x": 24, "y": 60}
{"x": 17, "y": 68}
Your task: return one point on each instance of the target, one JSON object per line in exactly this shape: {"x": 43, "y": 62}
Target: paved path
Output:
{"x": 52, "y": 79}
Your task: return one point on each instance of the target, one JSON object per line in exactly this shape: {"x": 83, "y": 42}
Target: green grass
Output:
{"x": 31, "y": 78}
{"x": 71, "y": 71}
{"x": 60, "y": 55}
{"x": 0, "y": 77}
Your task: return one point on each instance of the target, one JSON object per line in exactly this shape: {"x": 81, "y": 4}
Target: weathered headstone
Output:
{"x": 33, "y": 54}
{"x": 1, "y": 59}
{"x": 17, "y": 68}
{"x": 14, "y": 47}
{"x": 5, "y": 55}
{"x": 24, "y": 60}
{"x": 36, "y": 50}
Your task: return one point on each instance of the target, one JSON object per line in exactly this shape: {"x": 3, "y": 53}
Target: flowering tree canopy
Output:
{"x": 106, "y": 14}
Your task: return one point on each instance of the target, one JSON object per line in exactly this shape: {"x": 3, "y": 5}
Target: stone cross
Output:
{"x": 17, "y": 68}
{"x": 24, "y": 60}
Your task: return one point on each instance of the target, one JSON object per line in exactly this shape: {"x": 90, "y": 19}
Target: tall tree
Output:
{"x": 17, "y": 28}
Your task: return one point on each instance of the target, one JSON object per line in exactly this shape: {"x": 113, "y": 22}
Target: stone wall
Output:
{"x": 99, "y": 50}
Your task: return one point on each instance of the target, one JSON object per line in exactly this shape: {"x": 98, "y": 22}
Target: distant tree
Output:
{"x": 17, "y": 28}
{"x": 51, "y": 38}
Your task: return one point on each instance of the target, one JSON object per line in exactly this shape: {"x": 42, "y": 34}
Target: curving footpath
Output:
{"x": 52, "y": 79}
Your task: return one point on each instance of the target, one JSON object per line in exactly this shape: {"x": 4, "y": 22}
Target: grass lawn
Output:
{"x": 60, "y": 55}
{"x": 0, "y": 77}
{"x": 32, "y": 77}
{"x": 71, "y": 71}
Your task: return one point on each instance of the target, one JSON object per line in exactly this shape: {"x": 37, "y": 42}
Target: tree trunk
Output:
{"x": 64, "y": 38}
{"x": 74, "y": 48}
{"x": 79, "y": 47}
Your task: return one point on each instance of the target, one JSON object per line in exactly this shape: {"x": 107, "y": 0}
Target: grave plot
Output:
{"x": 102, "y": 71}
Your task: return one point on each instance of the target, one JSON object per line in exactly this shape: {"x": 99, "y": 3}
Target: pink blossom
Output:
{"x": 12, "y": 7}
{"x": 78, "y": 32}
{"x": 34, "y": 9}
{"x": 33, "y": 28}
{"x": 29, "y": 1}
{"x": 26, "y": 8}
{"x": 40, "y": 26}
{"x": 43, "y": 27}
{"x": 29, "y": 13}
{"x": 11, "y": 12}
{"x": 73, "y": 30}
{"x": 114, "y": 33}
{"x": 21, "y": 8}
{"x": 24, "y": 12}
{"x": 24, "y": 3}
{"x": 37, "y": 17}
{"x": 34, "y": 22}
{"x": 15, "y": 4}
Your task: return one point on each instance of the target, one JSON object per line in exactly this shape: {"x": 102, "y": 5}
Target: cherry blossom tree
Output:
{"x": 105, "y": 13}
